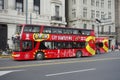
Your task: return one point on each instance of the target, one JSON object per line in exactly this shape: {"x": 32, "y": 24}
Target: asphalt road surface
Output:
{"x": 99, "y": 67}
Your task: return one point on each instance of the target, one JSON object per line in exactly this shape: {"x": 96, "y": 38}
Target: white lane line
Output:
{"x": 6, "y": 72}
{"x": 84, "y": 70}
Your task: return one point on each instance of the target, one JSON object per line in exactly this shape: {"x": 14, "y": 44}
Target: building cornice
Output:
{"x": 56, "y": 1}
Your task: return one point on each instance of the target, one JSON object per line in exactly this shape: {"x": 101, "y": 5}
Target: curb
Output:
{"x": 113, "y": 51}
{"x": 5, "y": 56}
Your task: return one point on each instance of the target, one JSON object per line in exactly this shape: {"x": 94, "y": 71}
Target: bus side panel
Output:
{"x": 51, "y": 53}
{"x": 67, "y": 53}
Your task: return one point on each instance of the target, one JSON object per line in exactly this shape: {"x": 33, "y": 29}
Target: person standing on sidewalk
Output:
{"x": 119, "y": 47}
{"x": 112, "y": 47}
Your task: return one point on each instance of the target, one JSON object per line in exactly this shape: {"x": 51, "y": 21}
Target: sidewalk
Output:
{"x": 114, "y": 50}
{"x": 5, "y": 55}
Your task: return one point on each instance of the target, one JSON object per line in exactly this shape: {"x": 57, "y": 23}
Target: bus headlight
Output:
{"x": 16, "y": 55}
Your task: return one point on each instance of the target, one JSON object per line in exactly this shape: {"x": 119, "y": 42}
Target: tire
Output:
{"x": 39, "y": 56}
{"x": 78, "y": 54}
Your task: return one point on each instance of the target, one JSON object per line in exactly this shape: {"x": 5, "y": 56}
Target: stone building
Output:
{"x": 93, "y": 14}
{"x": 117, "y": 20}
{"x": 41, "y": 12}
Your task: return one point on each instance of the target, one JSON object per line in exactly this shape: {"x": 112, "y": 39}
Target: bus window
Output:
{"x": 47, "y": 30}
{"x": 68, "y": 31}
{"x": 36, "y": 29}
{"x": 27, "y": 29}
{"x": 42, "y": 46}
{"x": 75, "y": 31}
{"x": 46, "y": 45}
{"x": 60, "y": 45}
{"x": 79, "y": 44}
{"x": 64, "y": 31}
{"x": 33, "y": 28}
{"x": 75, "y": 45}
{"x": 82, "y": 44}
{"x": 68, "y": 45}
{"x": 54, "y": 30}
{"x": 85, "y": 32}
{"x": 35, "y": 43}
{"x": 60, "y": 31}
{"x": 26, "y": 45}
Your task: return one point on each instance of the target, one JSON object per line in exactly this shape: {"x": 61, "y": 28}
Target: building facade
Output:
{"x": 40, "y": 12}
{"x": 93, "y": 14}
{"x": 117, "y": 20}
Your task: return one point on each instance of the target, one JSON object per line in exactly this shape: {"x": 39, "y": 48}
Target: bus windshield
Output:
{"x": 26, "y": 45}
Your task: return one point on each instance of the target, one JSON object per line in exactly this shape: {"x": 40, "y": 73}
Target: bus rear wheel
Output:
{"x": 78, "y": 54}
{"x": 39, "y": 56}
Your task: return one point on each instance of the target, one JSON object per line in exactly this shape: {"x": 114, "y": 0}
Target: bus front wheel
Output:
{"x": 39, "y": 56}
{"x": 79, "y": 54}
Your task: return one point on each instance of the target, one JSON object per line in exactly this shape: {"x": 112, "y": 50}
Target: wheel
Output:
{"x": 79, "y": 54}
{"x": 39, "y": 56}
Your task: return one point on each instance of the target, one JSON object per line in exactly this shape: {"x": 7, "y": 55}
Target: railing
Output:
{"x": 107, "y": 33}
{"x": 57, "y": 18}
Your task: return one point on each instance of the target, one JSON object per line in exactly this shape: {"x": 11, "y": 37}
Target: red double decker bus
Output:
{"x": 41, "y": 42}
{"x": 102, "y": 45}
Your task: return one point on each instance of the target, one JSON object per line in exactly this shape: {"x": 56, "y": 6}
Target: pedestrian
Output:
{"x": 0, "y": 51}
{"x": 113, "y": 47}
{"x": 119, "y": 47}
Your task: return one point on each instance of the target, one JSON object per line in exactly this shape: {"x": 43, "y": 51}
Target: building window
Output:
{"x": 109, "y": 15}
{"x": 92, "y": 14}
{"x": 85, "y": 12}
{"x": 57, "y": 10}
{"x": 109, "y": 29}
{"x": 102, "y": 3}
{"x": 73, "y": 13}
{"x": 93, "y": 26}
{"x": 97, "y": 14}
{"x": 74, "y": 1}
{"x": 93, "y": 2}
{"x": 36, "y": 7}
{"x": 109, "y": 4}
{"x": 1, "y": 4}
{"x": 84, "y": 1}
{"x": 19, "y": 5}
{"x": 85, "y": 26}
{"x": 102, "y": 15}
{"x": 97, "y": 3}
{"x": 102, "y": 29}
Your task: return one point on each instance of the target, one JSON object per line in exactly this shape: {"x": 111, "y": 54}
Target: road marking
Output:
{"x": 6, "y": 72}
{"x": 54, "y": 63}
{"x": 70, "y": 72}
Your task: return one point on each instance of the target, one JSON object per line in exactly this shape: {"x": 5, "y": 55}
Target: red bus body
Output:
{"x": 102, "y": 44}
{"x": 45, "y": 43}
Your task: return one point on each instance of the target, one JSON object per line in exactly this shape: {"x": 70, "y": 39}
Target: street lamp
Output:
{"x": 26, "y": 11}
{"x": 98, "y": 24}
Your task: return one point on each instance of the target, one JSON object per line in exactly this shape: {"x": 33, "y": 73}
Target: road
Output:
{"x": 99, "y": 67}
